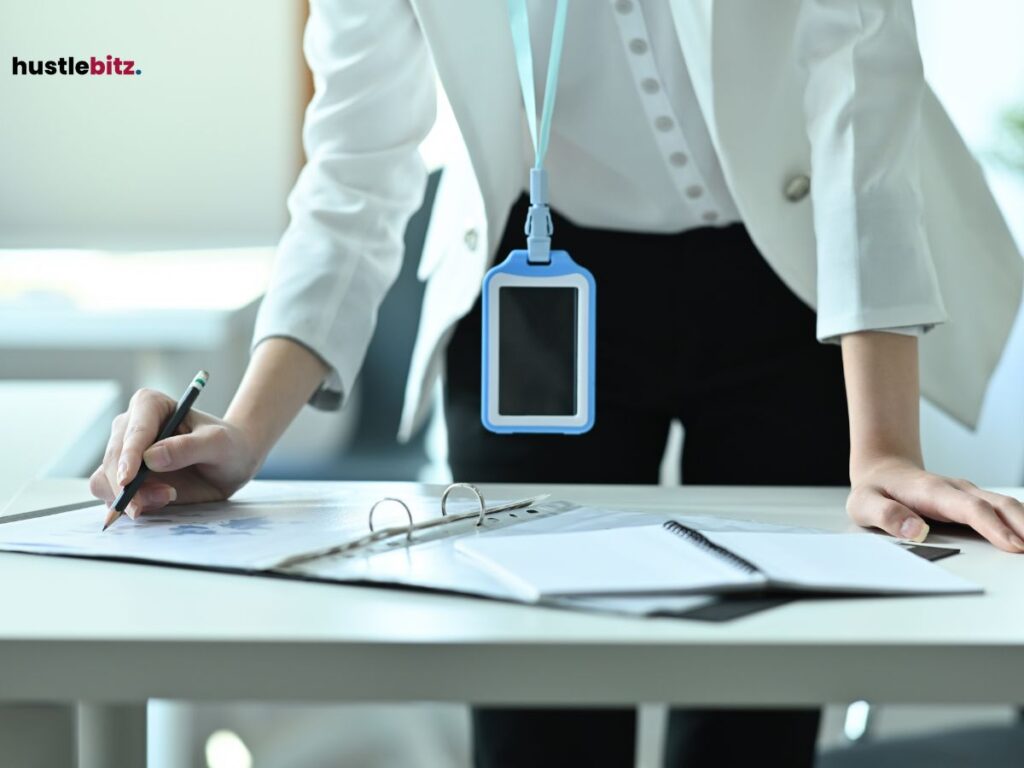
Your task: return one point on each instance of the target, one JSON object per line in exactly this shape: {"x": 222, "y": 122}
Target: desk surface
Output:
{"x": 111, "y": 631}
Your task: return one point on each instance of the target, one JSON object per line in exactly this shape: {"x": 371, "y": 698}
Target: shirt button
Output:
{"x": 471, "y": 238}
{"x": 678, "y": 159}
{"x": 650, "y": 85}
{"x": 710, "y": 217}
{"x": 664, "y": 123}
{"x": 694, "y": 192}
{"x": 638, "y": 45}
{"x": 624, "y": 6}
{"x": 797, "y": 187}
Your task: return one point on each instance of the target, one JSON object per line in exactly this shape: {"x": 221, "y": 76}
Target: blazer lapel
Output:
{"x": 472, "y": 50}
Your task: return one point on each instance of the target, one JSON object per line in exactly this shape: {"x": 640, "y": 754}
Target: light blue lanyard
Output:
{"x": 538, "y": 243}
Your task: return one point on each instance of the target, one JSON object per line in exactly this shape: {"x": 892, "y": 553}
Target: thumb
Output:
{"x": 180, "y": 451}
{"x": 874, "y": 509}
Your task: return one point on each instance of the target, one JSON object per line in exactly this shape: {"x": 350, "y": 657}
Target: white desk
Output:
{"x": 52, "y": 428}
{"x": 56, "y": 315}
{"x": 124, "y": 633}
{"x": 57, "y": 318}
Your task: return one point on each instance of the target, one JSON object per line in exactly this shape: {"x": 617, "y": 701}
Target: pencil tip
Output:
{"x": 112, "y": 515}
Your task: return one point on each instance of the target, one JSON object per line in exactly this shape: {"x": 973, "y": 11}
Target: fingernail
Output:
{"x": 913, "y": 529}
{"x": 122, "y": 472}
{"x": 172, "y": 494}
{"x": 132, "y": 510}
{"x": 156, "y": 457}
{"x": 1016, "y": 541}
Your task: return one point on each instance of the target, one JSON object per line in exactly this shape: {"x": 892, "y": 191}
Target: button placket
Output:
{"x": 668, "y": 134}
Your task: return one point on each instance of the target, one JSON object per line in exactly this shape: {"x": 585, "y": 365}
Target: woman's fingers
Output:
{"x": 206, "y": 445}
{"x": 1009, "y": 509}
{"x": 869, "y": 507}
{"x": 149, "y": 498}
{"x": 153, "y": 495}
{"x": 99, "y": 486}
{"x": 894, "y": 496}
{"x": 131, "y": 433}
{"x": 941, "y": 499}
{"x": 144, "y": 416}
{"x": 112, "y": 454}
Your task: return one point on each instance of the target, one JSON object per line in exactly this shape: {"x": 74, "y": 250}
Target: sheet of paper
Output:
{"x": 842, "y": 562}
{"x": 429, "y": 565}
{"x": 581, "y": 518}
{"x": 264, "y": 524}
{"x": 636, "y": 559}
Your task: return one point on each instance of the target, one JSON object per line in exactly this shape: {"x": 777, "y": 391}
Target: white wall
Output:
{"x": 200, "y": 149}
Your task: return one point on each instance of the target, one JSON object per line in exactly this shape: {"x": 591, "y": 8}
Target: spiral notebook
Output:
{"x": 672, "y": 558}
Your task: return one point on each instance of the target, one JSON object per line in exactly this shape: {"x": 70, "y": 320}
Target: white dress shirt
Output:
{"x": 629, "y": 148}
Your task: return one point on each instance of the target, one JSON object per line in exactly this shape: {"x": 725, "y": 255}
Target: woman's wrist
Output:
{"x": 281, "y": 376}
{"x": 882, "y": 393}
{"x": 253, "y": 437}
{"x": 864, "y": 464}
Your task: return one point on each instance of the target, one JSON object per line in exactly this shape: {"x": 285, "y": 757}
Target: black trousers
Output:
{"x": 692, "y": 326}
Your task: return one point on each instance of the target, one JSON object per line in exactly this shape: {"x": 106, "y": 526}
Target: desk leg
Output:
{"x": 111, "y": 735}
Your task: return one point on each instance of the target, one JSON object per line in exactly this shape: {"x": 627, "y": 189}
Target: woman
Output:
{"x": 793, "y": 158}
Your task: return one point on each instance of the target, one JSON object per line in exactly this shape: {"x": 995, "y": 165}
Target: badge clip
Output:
{"x": 539, "y": 217}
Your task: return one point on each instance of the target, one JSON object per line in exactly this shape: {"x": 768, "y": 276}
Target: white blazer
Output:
{"x": 828, "y": 89}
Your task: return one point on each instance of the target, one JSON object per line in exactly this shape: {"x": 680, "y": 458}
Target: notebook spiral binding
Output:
{"x": 378, "y": 535}
{"x": 702, "y": 541}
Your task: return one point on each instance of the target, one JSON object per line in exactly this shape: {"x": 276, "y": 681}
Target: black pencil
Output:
{"x": 169, "y": 428}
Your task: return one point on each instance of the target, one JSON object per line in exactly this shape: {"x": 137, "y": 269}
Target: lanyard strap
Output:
{"x": 519, "y": 19}
{"x": 539, "y": 243}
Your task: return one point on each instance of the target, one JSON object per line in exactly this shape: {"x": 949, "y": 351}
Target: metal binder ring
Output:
{"x": 369, "y": 519}
{"x": 472, "y": 489}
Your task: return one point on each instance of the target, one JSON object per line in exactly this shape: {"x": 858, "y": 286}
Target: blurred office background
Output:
{"x": 138, "y": 218}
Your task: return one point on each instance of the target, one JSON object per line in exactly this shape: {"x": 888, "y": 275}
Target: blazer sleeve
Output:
{"x": 374, "y": 102}
{"x": 862, "y": 101}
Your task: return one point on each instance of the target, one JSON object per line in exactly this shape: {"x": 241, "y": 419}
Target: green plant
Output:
{"x": 1009, "y": 147}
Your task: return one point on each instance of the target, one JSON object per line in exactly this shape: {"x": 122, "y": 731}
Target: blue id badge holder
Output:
{"x": 539, "y": 311}
{"x": 538, "y": 305}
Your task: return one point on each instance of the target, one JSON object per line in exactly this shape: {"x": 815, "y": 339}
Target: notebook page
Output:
{"x": 842, "y": 562}
{"x": 604, "y": 562}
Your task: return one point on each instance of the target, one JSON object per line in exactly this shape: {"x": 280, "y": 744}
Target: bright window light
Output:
{"x": 856, "y": 724}
{"x": 225, "y": 749}
{"x": 104, "y": 281}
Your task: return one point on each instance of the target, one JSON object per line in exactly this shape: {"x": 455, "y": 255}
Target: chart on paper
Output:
{"x": 263, "y": 525}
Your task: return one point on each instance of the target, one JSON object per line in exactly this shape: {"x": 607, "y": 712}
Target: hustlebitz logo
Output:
{"x": 111, "y": 65}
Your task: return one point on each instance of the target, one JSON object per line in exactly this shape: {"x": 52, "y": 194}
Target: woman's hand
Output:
{"x": 210, "y": 458}
{"x": 894, "y": 494}
{"x": 207, "y": 461}
{"x": 890, "y": 488}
